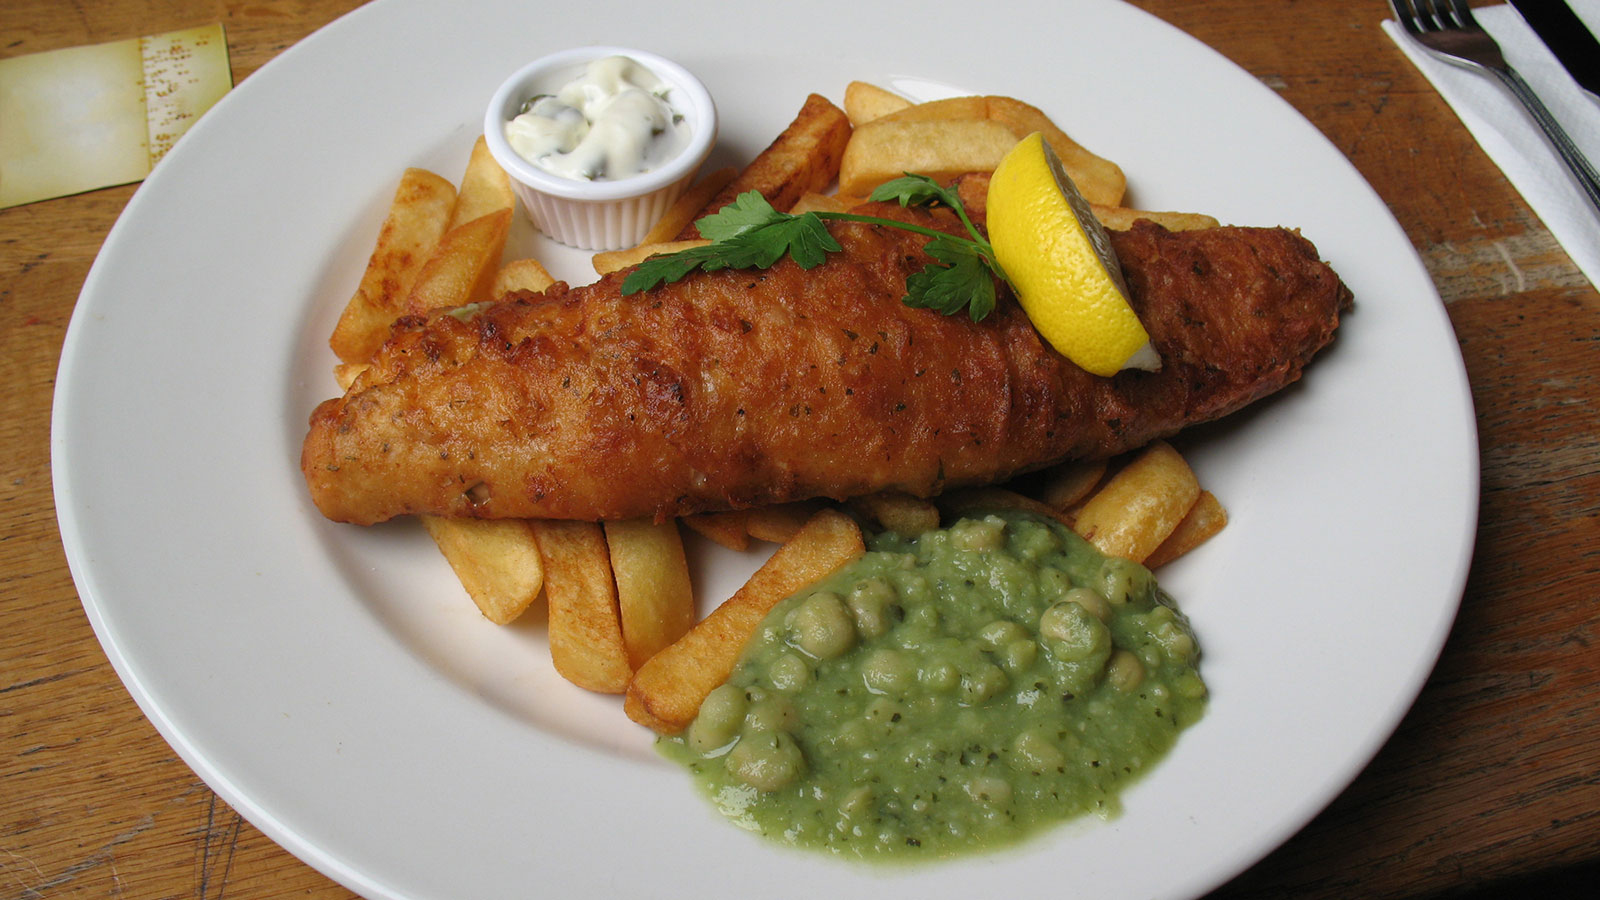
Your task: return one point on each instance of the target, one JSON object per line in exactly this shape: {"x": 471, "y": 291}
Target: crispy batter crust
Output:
{"x": 735, "y": 388}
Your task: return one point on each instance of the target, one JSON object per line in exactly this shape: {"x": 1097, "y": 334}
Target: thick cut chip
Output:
{"x": 1122, "y": 218}
{"x": 463, "y": 267}
{"x": 417, "y": 219}
{"x": 817, "y": 202}
{"x": 496, "y": 560}
{"x": 485, "y": 187}
{"x": 520, "y": 275}
{"x": 946, "y": 110}
{"x": 782, "y": 521}
{"x": 654, "y": 594}
{"x": 804, "y": 158}
{"x": 898, "y": 512}
{"x": 1068, "y": 484}
{"x": 730, "y": 529}
{"x": 586, "y": 642}
{"x": 974, "y": 190}
{"x": 1199, "y": 525}
{"x": 1098, "y": 179}
{"x": 1140, "y": 505}
{"x": 687, "y": 207}
{"x": 666, "y": 692}
{"x": 607, "y": 261}
{"x": 975, "y": 501}
{"x": 347, "y": 373}
{"x": 864, "y": 102}
{"x": 941, "y": 149}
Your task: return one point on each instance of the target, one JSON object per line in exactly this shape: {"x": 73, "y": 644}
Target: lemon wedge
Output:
{"x": 1060, "y": 263}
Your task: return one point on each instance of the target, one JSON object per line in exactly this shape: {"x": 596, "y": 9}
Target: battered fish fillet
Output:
{"x": 741, "y": 388}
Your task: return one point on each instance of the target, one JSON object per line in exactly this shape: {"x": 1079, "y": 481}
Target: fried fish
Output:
{"x": 736, "y": 389}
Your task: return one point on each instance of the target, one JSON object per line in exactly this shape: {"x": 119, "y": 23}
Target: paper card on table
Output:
{"x": 82, "y": 118}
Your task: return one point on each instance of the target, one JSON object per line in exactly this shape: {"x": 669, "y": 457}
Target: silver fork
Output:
{"x": 1446, "y": 28}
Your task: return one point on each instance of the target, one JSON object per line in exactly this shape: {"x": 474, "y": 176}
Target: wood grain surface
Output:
{"x": 1492, "y": 781}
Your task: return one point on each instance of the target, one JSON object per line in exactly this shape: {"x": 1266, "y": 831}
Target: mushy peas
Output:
{"x": 948, "y": 692}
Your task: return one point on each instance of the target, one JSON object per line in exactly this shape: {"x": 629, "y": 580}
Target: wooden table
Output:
{"x": 1494, "y": 775}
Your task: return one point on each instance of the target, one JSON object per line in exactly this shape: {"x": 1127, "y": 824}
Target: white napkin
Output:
{"x": 1505, "y": 131}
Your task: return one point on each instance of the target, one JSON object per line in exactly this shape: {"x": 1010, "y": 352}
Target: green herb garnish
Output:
{"x": 749, "y": 234}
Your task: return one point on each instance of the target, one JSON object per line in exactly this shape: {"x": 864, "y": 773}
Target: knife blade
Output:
{"x": 1566, "y": 36}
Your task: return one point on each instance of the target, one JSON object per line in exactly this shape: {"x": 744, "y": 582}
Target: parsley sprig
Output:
{"x": 749, "y": 234}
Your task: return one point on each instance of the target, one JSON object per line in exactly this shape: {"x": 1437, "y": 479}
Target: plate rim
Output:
{"x": 80, "y": 561}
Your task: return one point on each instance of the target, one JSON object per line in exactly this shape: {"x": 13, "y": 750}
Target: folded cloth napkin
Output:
{"x": 1506, "y": 132}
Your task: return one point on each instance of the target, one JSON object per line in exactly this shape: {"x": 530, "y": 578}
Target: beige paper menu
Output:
{"x": 82, "y": 118}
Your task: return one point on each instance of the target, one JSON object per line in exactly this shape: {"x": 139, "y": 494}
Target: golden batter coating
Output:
{"x": 736, "y": 388}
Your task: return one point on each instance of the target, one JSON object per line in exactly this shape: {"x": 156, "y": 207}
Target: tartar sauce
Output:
{"x": 611, "y": 122}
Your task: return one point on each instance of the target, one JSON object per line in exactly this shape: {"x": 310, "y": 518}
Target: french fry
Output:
{"x": 941, "y": 149}
{"x": 485, "y": 188}
{"x": 520, "y": 275}
{"x": 1121, "y": 218}
{"x": 1098, "y": 179}
{"x": 654, "y": 595}
{"x": 463, "y": 266}
{"x": 1199, "y": 525}
{"x": 949, "y": 109}
{"x": 1140, "y": 505}
{"x": 974, "y": 189}
{"x": 496, "y": 560}
{"x": 607, "y": 261}
{"x": 586, "y": 643}
{"x": 688, "y": 206}
{"x": 898, "y": 512}
{"x": 347, "y": 373}
{"x": 864, "y": 102}
{"x": 665, "y": 694}
{"x": 417, "y": 219}
{"x": 781, "y": 521}
{"x": 805, "y": 157}
{"x": 725, "y": 528}
{"x": 984, "y": 499}
{"x": 1069, "y": 483}
{"x": 822, "y": 202}
{"x": 419, "y": 255}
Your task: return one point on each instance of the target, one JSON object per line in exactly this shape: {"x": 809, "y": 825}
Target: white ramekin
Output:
{"x": 600, "y": 215}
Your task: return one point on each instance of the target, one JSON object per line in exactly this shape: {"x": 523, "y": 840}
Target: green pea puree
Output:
{"x": 948, "y": 692}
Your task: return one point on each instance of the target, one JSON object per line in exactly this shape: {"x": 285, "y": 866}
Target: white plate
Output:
{"x": 333, "y": 684}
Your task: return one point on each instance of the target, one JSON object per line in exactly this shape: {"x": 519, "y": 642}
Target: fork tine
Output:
{"x": 1404, "y": 13}
{"x": 1418, "y": 16}
{"x": 1433, "y": 15}
{"x": 1463, "y": 14}
{"x": 1445, "y": 11}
